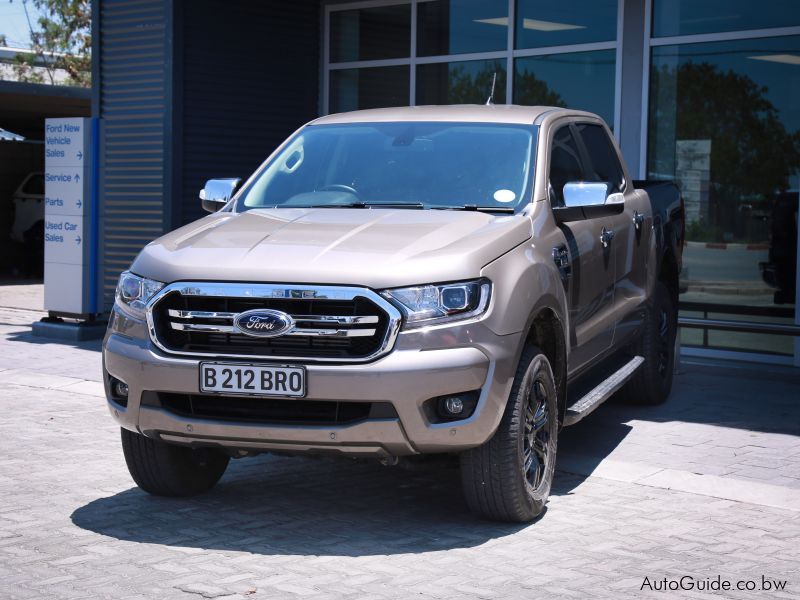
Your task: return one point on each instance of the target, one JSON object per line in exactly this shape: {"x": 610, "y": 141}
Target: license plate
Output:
{"x": 256, "y": 380}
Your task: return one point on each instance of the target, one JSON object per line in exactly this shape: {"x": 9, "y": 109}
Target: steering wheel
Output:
{"x": 339, "y": 187}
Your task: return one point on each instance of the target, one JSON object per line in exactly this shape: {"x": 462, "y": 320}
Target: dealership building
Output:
{"x": 703, "y": 92}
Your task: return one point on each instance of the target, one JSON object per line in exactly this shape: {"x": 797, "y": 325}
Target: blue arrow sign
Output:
{"x": 80, "y": 155}
{"x": 77, "y": 239}
{"x": 78, "y": 203}
{"x": 77, "y": 177}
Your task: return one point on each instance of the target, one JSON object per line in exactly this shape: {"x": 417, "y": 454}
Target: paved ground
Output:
{"x": 705, "y": 486}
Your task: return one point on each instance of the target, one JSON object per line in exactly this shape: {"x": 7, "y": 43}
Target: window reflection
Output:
{"x": 370, "y": 33}
{"x": 456, "y": 27}
{"x": 686, "y": 17}
{"x": 465, "y": 82}
{"x": 374, "y": 87}
{"x": 545, "y": 23}
{"x": 582, "y": 80}
{"x": 725, "y": 123}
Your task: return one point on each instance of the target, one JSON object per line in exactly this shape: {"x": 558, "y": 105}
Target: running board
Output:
{"x": 602, "y": 392}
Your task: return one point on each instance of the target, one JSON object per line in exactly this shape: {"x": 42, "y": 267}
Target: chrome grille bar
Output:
{"x": 209, "y": 328}
{"x": 336, "y": 320}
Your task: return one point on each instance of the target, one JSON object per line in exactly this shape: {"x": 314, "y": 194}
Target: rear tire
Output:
{"x": 652, "y": 382}
{"x": 167, "y": 470}
{"x": 509, "y": 477}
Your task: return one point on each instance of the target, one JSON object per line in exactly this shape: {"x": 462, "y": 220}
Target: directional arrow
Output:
{"x": 77, "y": 239}
{"x": 78, "y": 203}
{"x": 77, "y": 178}
{"x": 80, "y": 155}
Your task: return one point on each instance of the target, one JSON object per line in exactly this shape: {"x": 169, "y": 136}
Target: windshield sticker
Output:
{"x": 504, "y": 196}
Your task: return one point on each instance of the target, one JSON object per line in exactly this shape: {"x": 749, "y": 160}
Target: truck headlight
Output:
{"x": 133, "y": 293}
{"x": 433, "y": 304}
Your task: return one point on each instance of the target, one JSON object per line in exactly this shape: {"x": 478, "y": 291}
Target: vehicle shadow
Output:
{"x": 303, "y": 506}
{"x": 94, "y": 345}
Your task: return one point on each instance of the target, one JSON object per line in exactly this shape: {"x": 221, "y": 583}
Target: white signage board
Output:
{"x": 67, "y": 195}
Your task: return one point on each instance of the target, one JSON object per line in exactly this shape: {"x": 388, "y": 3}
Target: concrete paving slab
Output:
{"x": 626, "y": 504}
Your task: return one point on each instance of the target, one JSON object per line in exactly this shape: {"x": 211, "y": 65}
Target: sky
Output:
{"x": 13, "y": 23}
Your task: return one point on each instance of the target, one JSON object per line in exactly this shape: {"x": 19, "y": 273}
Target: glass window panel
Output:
{"x": 602, "y": 155}
{"x": 371, "y": 33}
{"x": 459, "y": 26}
{"x": 465, "y": 82}
{"x": 545, "y": 23}
{"x": 373, "y": 87}
{"x": 565, "y": 164}
{"x": 581, "y": 80}
{"x": 724, "y": 122}
{"x": 686, "y": 17}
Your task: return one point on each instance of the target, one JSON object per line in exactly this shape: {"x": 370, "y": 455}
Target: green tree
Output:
{"x": 532, "y": 91}
{"x": 465, "y": 87}
{"x": 60, "y": 40}
{"x": 752, "y": 153}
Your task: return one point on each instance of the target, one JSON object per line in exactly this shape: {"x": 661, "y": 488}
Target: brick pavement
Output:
{"x": 624, "y": 505}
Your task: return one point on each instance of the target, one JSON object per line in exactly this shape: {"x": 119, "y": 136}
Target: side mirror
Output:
{"x": 588, "y": 200}
{"x": 217, "y": 192}
{"x": 582, "y": 193}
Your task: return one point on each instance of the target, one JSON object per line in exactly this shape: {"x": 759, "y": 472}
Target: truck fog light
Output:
{"x": 454, "y": 405}
{"x": 121, "y": 389}
{"x": 451, "y": 407}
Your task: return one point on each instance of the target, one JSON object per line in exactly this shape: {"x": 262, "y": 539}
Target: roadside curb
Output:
{"x": 713, "y": 486}
{"x": 727, "y": 246}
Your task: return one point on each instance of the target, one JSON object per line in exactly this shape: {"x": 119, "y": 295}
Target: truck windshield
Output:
{"x": 416, "y": 164}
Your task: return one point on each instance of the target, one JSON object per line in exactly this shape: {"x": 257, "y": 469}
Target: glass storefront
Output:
{"x": 720, "y": 114}
{"x": 691, "y": 17}
{"x": 582, "y": 80}
{"x": 372, "y": 87}
{"x": 457, "y": 27}
{"x": 547, "y": 23}
{"x": 462, "y": 82}
{"x": 724, "y": 122}
{"x": 450, "y": 51}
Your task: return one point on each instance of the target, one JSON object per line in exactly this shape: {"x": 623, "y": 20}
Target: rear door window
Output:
{"x": 603, "y": 162}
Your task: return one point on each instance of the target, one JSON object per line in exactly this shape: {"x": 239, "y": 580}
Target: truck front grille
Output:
{"x": 331, "y": 323}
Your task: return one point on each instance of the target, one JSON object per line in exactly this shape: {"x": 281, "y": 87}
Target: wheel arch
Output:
{"x": 668, "y": 274}
{"x": 546, "y": 330}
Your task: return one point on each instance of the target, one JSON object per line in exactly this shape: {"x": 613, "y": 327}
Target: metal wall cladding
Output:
{"x": 133, "y": 107}
{"x": 189, "y": 91}
{"x": 250, "y": 77}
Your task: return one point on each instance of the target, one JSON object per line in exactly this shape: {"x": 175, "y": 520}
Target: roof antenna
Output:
{"x": 490, "y": 101}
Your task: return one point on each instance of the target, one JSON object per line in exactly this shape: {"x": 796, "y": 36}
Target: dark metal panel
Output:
{"x": 131, "y": 71}
{"x": 250, "y": 76}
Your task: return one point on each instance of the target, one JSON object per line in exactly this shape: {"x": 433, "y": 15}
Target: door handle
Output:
{"x": 638, "y": 220}
{"x": 606, "y": 236}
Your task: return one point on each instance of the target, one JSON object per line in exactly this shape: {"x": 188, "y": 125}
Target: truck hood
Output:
{"x": 378, "y": 248}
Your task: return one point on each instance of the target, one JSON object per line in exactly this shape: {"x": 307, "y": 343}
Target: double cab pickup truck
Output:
{"x": 452, "y": 281}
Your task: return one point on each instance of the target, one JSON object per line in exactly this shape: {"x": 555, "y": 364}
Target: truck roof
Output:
{"x": 476, "y": 113}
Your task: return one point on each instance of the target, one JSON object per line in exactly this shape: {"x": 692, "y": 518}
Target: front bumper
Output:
{"x": 424, "y": 364}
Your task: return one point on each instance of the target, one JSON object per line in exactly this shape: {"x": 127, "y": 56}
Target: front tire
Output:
{"x": 509, "y": 477}
{"x": 168, "y": 470}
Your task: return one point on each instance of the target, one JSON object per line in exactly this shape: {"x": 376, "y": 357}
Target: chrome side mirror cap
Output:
{"x": 584, "y": 193}
{"x": 217, "y": 193}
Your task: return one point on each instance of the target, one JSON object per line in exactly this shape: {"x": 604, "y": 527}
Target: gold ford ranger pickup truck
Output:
{"x": 457, "y": 281}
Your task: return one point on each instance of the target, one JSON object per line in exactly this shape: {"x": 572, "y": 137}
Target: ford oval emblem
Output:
{"x": 263, "y": 323}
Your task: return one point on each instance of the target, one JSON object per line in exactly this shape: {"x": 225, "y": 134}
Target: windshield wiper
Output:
{"x": 475, "y": 207}
{"x": 360, "y": 204}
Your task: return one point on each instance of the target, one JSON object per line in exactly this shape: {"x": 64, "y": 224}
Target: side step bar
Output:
{"x": 602, "y": 392}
